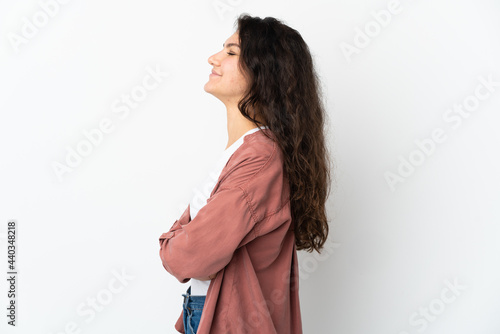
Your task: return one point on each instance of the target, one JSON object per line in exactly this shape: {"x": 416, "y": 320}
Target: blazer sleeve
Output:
{"x": 204, "y": 245}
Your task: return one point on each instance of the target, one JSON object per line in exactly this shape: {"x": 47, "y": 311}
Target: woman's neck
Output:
{"x": 237, "y": 125}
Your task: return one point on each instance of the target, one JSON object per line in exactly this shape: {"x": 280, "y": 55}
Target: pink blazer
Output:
{"x": 244, "y": 234}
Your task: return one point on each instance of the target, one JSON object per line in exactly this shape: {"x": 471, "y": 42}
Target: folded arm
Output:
{"x": 205, "y": 245}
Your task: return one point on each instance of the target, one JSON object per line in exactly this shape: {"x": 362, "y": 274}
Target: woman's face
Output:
{"x": 227, "y": 82}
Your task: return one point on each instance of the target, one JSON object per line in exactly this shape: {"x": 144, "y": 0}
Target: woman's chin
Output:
{"x": 208, "y": 88}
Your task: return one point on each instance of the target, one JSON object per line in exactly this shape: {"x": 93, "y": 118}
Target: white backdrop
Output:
{"x": 105, "y": 129}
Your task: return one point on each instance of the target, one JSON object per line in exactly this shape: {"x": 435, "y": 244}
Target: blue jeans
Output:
{"x": 192, "y": 308}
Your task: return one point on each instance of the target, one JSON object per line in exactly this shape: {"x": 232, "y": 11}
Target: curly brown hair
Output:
{"x": 284, "y": 93}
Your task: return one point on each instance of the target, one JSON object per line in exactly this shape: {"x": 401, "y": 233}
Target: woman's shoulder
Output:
{"x": 260, "y": 142}
{"x": 257, "y": 147}
{"x": 257, "y": 158}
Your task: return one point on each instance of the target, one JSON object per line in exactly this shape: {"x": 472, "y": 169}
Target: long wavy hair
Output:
{"x": 284, "y": 93}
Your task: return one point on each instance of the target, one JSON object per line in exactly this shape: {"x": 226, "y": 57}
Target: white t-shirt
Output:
{"x": 202, "y": 192}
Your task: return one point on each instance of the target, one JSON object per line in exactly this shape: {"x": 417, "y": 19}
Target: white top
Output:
{"x": 202, "y": 192}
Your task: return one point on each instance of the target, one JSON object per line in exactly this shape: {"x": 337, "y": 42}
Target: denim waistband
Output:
{"x": 193, "y": 300}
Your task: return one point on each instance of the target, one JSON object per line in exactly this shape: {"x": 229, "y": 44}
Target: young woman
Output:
{"x": 264, "y": 199}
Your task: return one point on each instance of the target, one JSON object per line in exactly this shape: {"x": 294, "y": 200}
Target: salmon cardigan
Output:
{"x": 245, "y": 235}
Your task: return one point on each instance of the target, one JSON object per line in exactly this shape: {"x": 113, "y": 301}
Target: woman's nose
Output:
{"x": 212, "y": 60}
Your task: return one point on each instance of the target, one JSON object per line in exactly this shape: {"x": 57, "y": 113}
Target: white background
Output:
{"x": 391, "y": 251}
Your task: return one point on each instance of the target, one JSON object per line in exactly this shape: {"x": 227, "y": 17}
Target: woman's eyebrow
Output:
{"x": 229, "y": 45}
